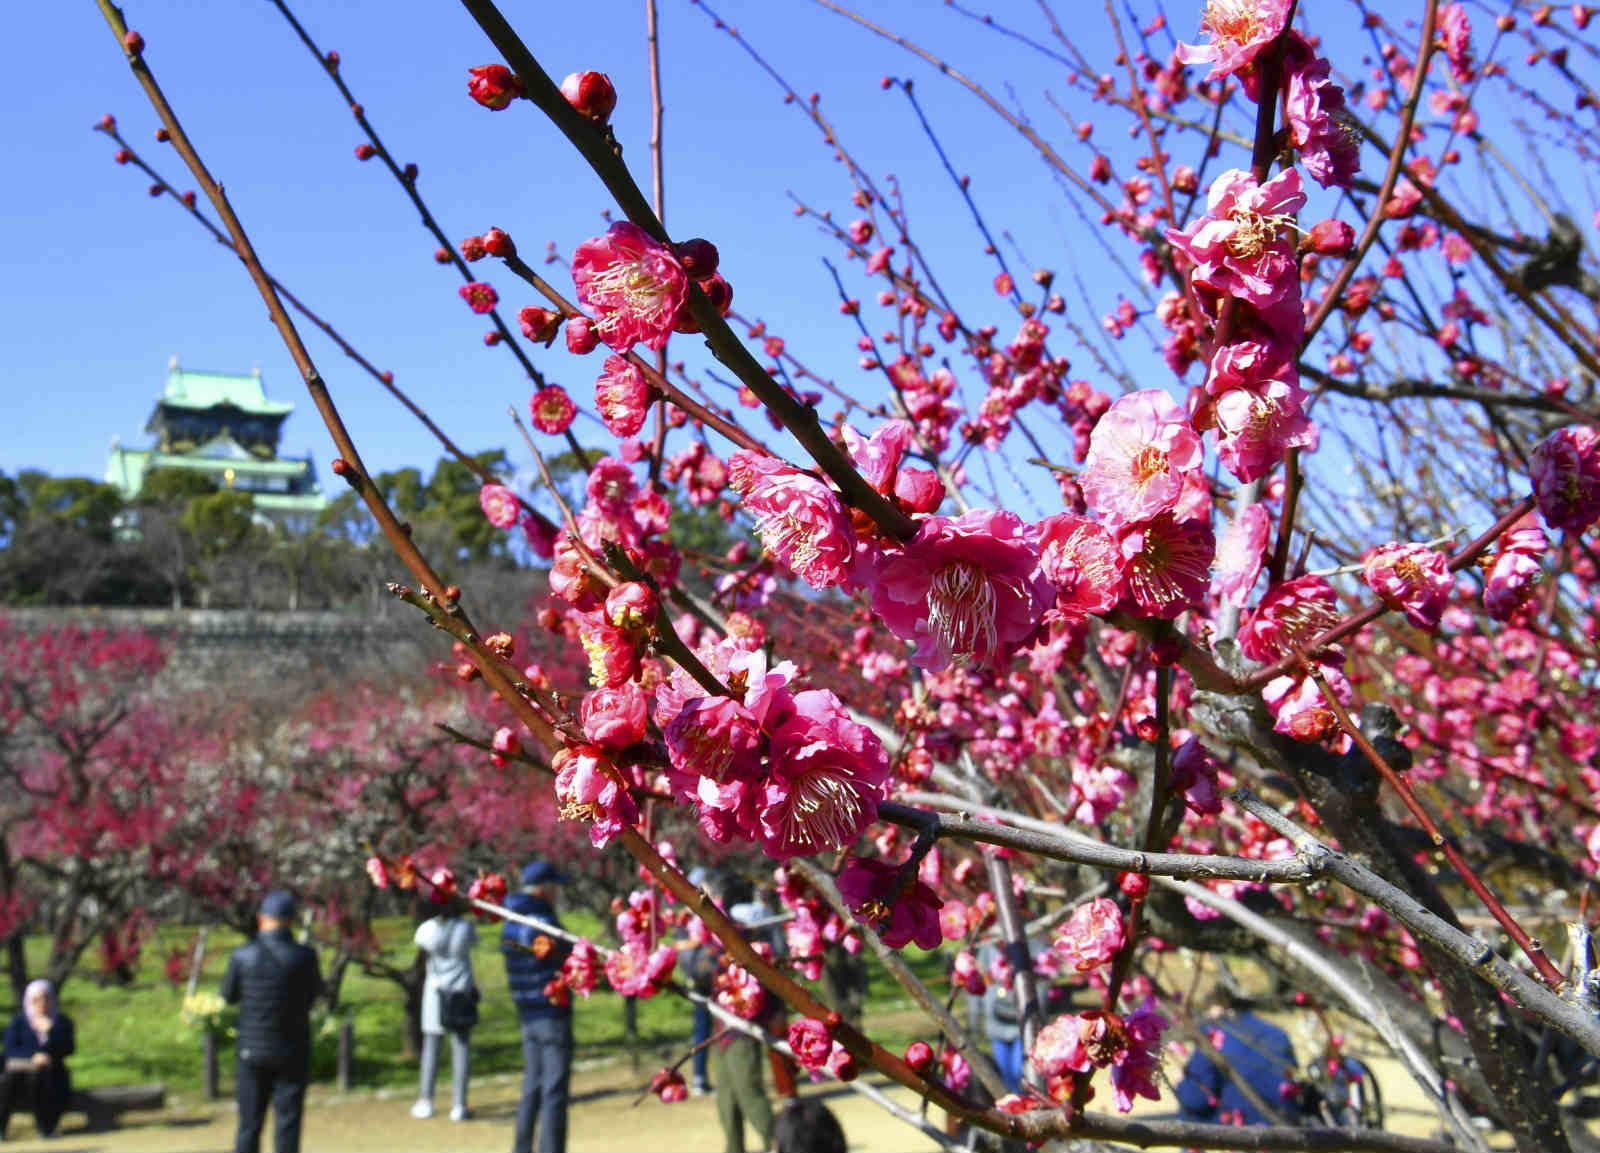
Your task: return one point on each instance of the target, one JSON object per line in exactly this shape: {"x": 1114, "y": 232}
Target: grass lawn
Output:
{"x": 134, "y": 1034}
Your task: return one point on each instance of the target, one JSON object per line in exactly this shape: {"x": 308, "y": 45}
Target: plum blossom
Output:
{"x": 1256, "y": 425}
{"x": 633, "y": 284}
{"x": 614, "y": 718}
{"x": 1082, "y": 560}
{"x": 1059, "y": 1048}
{"x": 1239, "y": 31}
{"x": 1565, "y": 468}
{"x": 499, "y": 505}
{"x": 1411, "y": 577}
{"x": 1314, "y": 108}
{"x": 1169, "y": 565}
{"x": 964, "y": 587}
{"x": 635, "y": 971}
{"x": 799, "y": 518}
{"x": 581, "y": 970}
{"x": 910, "y": 914}
{"x": 552, "y": 410}
{"x": 811, "y": 1042}
{"x": 621, "y": 396}
{"x": 1138, "y": 455}
{"x": 1515, "y": 570}
{"x": 1239, "y": 554}
{"x": 1194, "y": 774}
{"x": 828, "y": 774}
{"x": 1134, "y": 1073}
{"x": 1299, "y": 709}
{"x": 1290, "y": 616}
{"x": 1092, "y": 936}
{"x": 1244, "y": 245}
{"x": 589, "y": 788}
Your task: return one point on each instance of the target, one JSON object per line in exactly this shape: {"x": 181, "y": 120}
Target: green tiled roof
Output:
{"x": 186, "y": 389}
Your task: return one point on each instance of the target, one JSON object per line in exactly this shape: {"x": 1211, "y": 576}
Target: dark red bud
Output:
{"x": 497, "y": 243}
{"x": 365, "y": 152}
{"x": 441, "y": 255}
{"x": 1134, "y": 884}
{"x": 108, "y": 123}
{"x": 122, "y": 156}
{"x": 133, "y": 42}
{"x": 698, "y": 257}
{"x": 333, "y": 60}
{"x": 409, "y": 173}
{"x": 472, "y": 249}
{"x": 163, "y": 135}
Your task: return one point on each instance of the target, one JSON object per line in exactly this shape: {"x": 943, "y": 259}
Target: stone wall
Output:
{"x": 308, "y": 646}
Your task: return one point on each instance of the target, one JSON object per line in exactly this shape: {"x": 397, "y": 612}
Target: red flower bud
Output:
{"x": 472, "y": 249}
{"x": 408, "y": 173}
{"x": 108, "y": 123}
{"x": 333, "y": 60}
{"x": 162, "y": 135}
{"x": 539, "y": 324}
{"x": 1134, "y": 884}
{"x": 133, "y": 42}
{"x": 122, "y": 156}
{"x": 365, "y": 152}
{"x": 497, "y": 243}
{"x": 1331, "y": 238}
{"x": 698, "y": 257}
{"x": 494, "y": 86}
{"x": 919, "y": 1055}
{"x": 591, "y": 94}
{"x": 441, "y": 255}
{"x": 581, "y": 335}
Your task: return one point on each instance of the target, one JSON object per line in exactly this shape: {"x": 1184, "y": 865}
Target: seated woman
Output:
{"x": 38, "y": 1042}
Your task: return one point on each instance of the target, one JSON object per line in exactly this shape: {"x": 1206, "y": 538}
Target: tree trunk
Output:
{"x": 16, "y": 965}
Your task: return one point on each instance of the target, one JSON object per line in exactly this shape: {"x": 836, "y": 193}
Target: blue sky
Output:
{"x": 107, "y": 283}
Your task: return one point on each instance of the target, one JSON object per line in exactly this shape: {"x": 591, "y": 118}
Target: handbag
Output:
{"x": 458, "y": 1008}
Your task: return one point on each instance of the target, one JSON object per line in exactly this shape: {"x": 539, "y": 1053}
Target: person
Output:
{"x": 273, "y": 979}
{"x": 1001, "y": 1020}
{"x": 38, "y": 1042}
{"x": 1258, "y": 1053}
{"x": 449, "y": 998}
{"x": 806, "y": 1125}
{"x": 534, "y": 958}
{"x": 741, "y": 1093}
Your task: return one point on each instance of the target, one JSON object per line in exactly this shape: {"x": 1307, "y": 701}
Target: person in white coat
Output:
{"x": 447, "y": 939}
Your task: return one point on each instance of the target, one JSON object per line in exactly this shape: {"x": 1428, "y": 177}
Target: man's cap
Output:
{"x": 542, "y": 873}
{"x": 279, "y": 903}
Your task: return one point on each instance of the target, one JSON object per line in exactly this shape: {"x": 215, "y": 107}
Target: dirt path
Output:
{"x": 602, "y": 1119}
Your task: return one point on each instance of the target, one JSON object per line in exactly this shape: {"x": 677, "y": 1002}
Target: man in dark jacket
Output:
{"x": 273, "y": 980}
{"x": 534, "y": 958}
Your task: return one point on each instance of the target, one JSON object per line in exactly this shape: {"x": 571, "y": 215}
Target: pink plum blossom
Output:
{"x": 1411, "y": 577}
{"x": 828, "y": 773}
{"x": 1092, "y": 936}
{"x": 1138, "y": 455}
{"x": 634, "y": 285}
{"x": 1244, "y": 245}
{"x": 552, "y": 410}
{"x": 621, "y": 396}
{"x": 614, "y": 718}
{"x": 1290, "y": 616}
{"x": 636, "y": 971}
{"x": 901, "y": 915}
{"x": 1082, "y": 560}
{"x": 811, "y": 1041}
{"x": 1194, "y": 774}
{"x": 1169, "y": 565}
{"x": 581, "y": 969}
{"x": 964, "y": 587}
{"x": 1566, "y": 478}
{"x": 799, "y": 519}
{"x": 499, "y": 505}
{"x": 1517, "y": 567}
{"x": 1239, "y": 554}
{"x": 589, "y": 788}
{"x": 1256, "y": 425}
{"x": 1314, "y": 107}
{"x": 1239, "y": 31}
{"x": 1059, "y": 1048}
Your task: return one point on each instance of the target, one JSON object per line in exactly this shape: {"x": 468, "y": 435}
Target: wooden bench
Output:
{"x": 105, "y": 1104}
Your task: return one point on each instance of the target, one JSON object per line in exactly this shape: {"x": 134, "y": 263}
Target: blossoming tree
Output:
{"x": 1218, "y": 695}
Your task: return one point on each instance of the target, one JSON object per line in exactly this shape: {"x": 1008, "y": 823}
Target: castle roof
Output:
{"x": 198, "y": 390}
